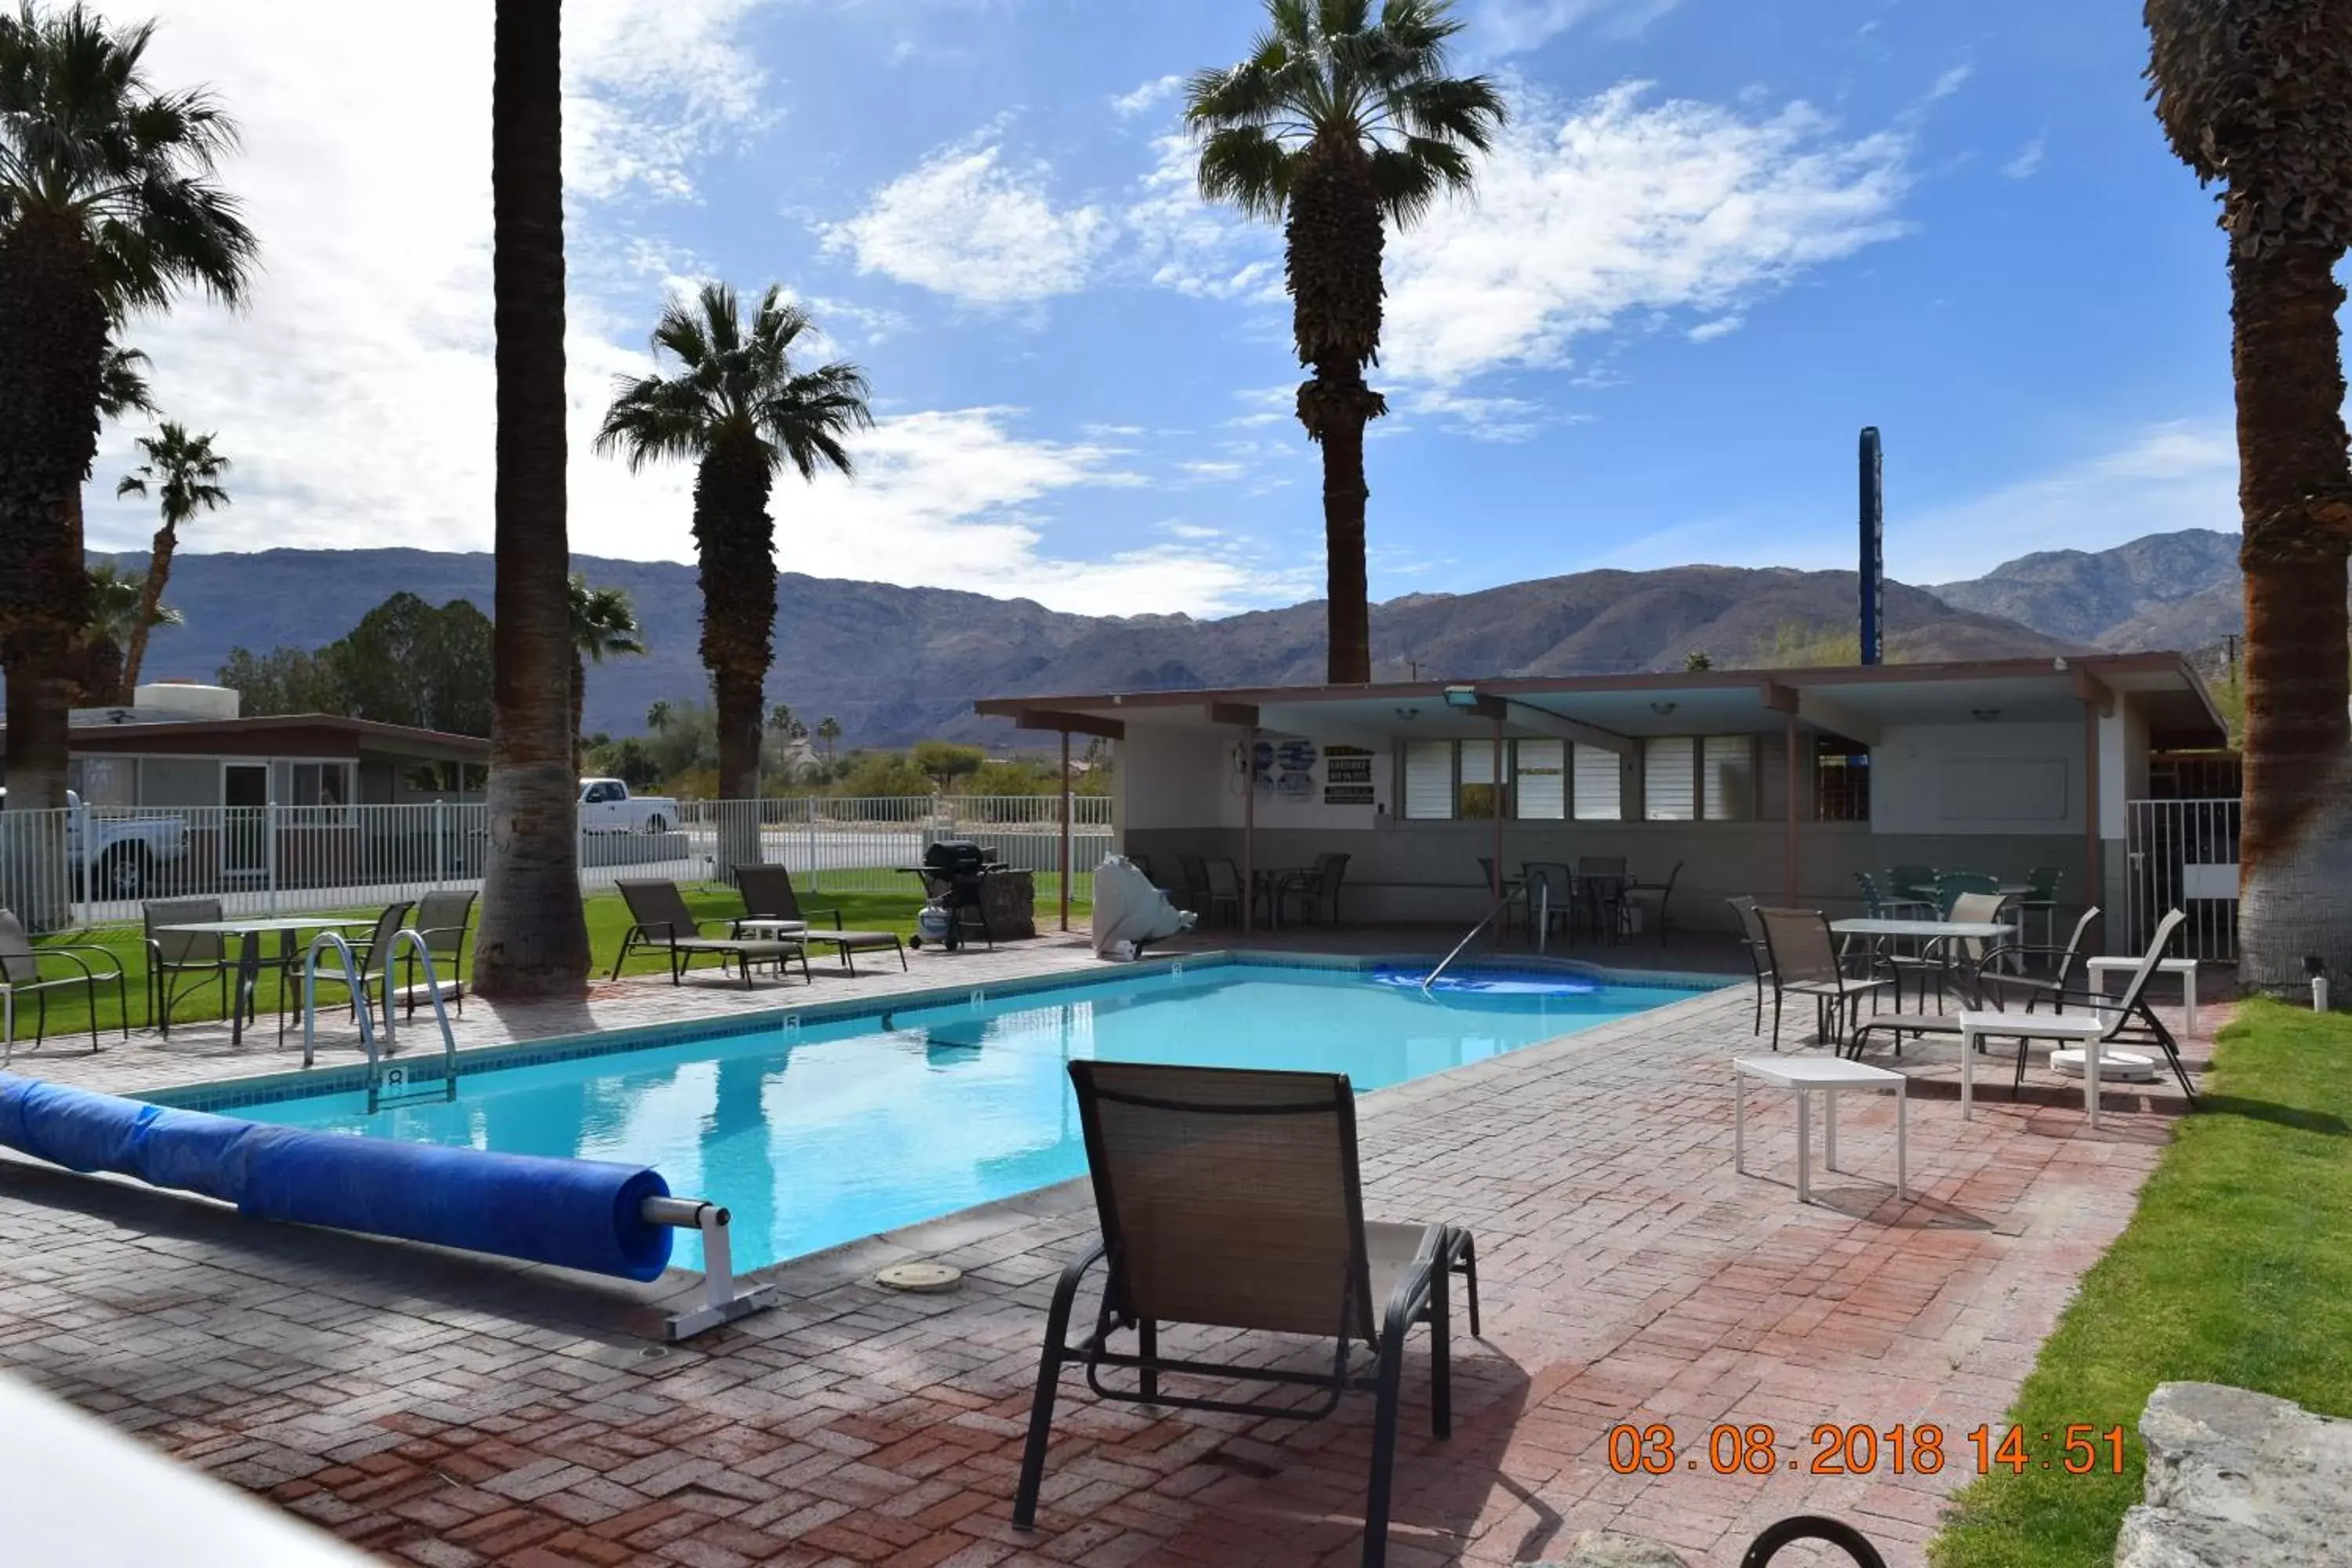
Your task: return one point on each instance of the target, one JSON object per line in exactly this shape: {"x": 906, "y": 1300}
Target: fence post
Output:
{"x": 440, "y": 843}
{"x": 269, "y": 855}
{"x": 815, "y": 880}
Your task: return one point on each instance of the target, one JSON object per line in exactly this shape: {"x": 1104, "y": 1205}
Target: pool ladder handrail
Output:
{"x": 1505, "y": 901}
{"x": 352, "y": 977}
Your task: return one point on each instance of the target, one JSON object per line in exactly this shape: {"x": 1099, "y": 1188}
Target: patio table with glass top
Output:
{"x": 249, "y": 953}
{"x": 1929, "y": 933}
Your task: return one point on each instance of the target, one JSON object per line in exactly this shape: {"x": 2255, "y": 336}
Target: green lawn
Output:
{"x": 608, "y": 920}
{"x": 2236, "y": 1268}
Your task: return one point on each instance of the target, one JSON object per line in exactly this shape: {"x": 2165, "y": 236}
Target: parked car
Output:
{"x": 116, "y": 857}
{"x": 606, "y": 805}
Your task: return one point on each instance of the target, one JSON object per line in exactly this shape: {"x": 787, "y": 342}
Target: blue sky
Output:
{"x": 1721, "y": 235}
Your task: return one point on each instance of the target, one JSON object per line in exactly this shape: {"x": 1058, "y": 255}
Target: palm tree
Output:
{"x": 781, "y": 719}
{"x": 828, "y": 731}
{"x": 2257, "y": 94}
{"x": 602, "y": 622}
{"x": 741, "y": 411}
{"x": 534, "y": 936}
{"x": 185, "y": 472}
{"x": 107, "y": 206}
{"x": 657, "y": 716}
{"x": 1338, "y": 123}
{"x": 118, "y": 610}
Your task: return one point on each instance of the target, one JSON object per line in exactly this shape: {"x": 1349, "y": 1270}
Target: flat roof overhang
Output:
{"x": 1620, "y": 711}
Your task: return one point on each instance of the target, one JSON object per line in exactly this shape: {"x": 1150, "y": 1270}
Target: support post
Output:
{"x": 1249, "y": 829}
{"x": 2093, "y": 881}
{"x": 1065, "y": 830}
{"x": 1495, "y": 892}
{"x": 1796, "y": 774}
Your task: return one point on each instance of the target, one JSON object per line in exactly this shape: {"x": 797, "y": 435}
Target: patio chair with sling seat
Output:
{"x": 1636, "y": 894}
{"x": 1950, "y": 885}
{"x": 767, "y": 896}
{"x": 367, "y": 957}
{"x": 1231, "y": 1199}
{"x": 1759, "y": 954}
{"x": 441, "y": 921}
{"x": 660, "y": 920}
{"x": 21, "y": 976}
{"x": 2100, "y": 1020}
{"x": 1803, "y": 960}
{"x": 1899, "y": 959}
{"x": 2002, "y": 984}
{"x": 200, "y": 958}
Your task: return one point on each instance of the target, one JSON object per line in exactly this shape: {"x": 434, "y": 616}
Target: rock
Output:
{"x": 2236, "y": 1478}
{"x": 1607, "y": 1548}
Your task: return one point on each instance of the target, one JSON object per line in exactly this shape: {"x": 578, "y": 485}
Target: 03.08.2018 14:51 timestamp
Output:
{"x": 1834, "y": 1448}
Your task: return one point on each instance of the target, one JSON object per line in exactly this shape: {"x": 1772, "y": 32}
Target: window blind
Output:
{"x": 1543, "y": 792}
{"x": 1669, "y": 769}
{"x": 1599, "y": 786}
{"x": 1728, "y": 774}
{"x": 1428, "y": 779}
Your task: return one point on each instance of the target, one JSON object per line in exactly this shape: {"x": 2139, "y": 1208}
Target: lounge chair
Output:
{"x": 1803, "y": 961}
{"x": 768, "y": 895}
{"x": 198, "y": 958}
{"x": 441, "y": 921}
{"x": 20, "y": 976}
{"x": 2126, "y": 1020}
{"x": 660, "y": 920}
{"x": 1230, "y": 1199}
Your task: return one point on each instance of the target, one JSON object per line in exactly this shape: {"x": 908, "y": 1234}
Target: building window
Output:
{"x": 1539, "y": 775}
{"x": 318, "y": 784}
{"x": 1482, "y": 788}
{"x": 1840, "y": 780}
{"x": 1429, "y": 780}
{"x": 1600, "y": 784}
{"x": 1728, "y": 778}
{"x": 1670, "y": 779}
{"x": 104, "y": 781}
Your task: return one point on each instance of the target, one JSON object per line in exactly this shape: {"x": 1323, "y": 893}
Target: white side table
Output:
{"x": 1828, "y": 1075}
{"x": 761, "y": 928}
{"x": 2083, "y": 1028}
{"x": 2100, "y": 968}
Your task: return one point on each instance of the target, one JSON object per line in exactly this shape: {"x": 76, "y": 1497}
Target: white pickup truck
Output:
{"x": 116, "y": 857}
{"x": 607, "y": 807}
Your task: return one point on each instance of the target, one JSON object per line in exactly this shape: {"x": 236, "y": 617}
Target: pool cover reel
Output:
{"x": 576, "y": 1213}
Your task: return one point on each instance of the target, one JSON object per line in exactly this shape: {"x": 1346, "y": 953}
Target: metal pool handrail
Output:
{"x": 362, "y": 1008}
{"x": 1500, "y": 905}
{"x": 310, "y": 998}
{"x": 415, "y": 938}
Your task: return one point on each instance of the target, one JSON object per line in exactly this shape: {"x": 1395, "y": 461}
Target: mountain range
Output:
{"x": 894, "y": 664}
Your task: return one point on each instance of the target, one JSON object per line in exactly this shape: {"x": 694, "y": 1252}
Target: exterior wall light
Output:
{"x": 1462, "y": 697}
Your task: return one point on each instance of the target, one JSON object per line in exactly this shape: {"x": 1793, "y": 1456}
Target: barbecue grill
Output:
{"x": 955, "y": 871}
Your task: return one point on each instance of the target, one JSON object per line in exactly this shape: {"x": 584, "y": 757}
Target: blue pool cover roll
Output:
{"x": 577, "y": 1213}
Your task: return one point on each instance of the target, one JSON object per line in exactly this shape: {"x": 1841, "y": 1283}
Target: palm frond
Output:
{"x": 1467, "y": 110}
{"x": 1408, "y": 179}
{"x": 1248, "y": 167}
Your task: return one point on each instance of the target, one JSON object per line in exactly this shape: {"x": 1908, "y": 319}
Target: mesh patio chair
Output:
{"x": 1600, "y": 880}
{"x": 198, "y": 959}
{"x": 1804, "y": 963}
{"x": 1192, "y": 883}
{"x": 2041, "y": 898}
{"x": 1320, "y": 892}
{"x": 1759, "y": 953}
{"x": 1911, "y": 883}
{"x": 660, "y": 920}
{"x": 1950, "y": 885}
{"x": 21, "y": 977}
{"x": 1224, "y": 879}
{"x": 1551, "y": 896}
{"x": 1637, "y": 895}
{"x": 1901, "y": 955}
{"x": 1230, "y": 1199}
{"x": 369, "y": 957}
{"x": 441, "y": 921}
{"x": 768, "y": 895}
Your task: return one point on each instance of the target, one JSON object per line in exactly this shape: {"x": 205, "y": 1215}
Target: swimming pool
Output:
{"x": 820, "y": 1134}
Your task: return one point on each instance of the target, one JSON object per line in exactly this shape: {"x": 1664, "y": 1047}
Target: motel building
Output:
{"x": 1777, "y": 783}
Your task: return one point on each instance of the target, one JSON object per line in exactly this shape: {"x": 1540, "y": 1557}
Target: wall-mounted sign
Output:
{"x": 1286, "y": 768}
{"x": 1347, "y": 776}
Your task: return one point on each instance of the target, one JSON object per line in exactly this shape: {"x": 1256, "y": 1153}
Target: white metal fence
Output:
{"x": 96, "y": 864}
{"x": 2183, "y": 854}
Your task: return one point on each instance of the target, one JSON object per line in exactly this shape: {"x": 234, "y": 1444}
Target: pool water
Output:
{"x": 837, "y": 1131}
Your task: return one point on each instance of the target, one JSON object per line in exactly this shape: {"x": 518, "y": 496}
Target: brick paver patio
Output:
{"x": 447, "y": 1411}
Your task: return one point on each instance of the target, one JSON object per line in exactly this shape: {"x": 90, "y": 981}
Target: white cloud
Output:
{"x": 962, "y": 225}
{"x": 2181, "y": 474}
{"x": 1720, "y": 327}
{"x": 2027, "y": 161}
{"x": 1150, "y": 95}
{"x": 355, "y": 394}
{"x": 1624, "y": 206}
{"x": 1508, "y": 26}
{"x": 1194, "y": 248}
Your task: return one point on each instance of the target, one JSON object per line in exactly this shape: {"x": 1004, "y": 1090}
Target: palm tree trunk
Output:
{"x": 1335, "y": 407}
{"x": 53, "y": 341}
{"x": 150, "y": 595}
{"x": 534, "y": 940}
{"x": 579, "y": 701}
{"x": 2295, "y": 491}
{"x": 735, "y": 540}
